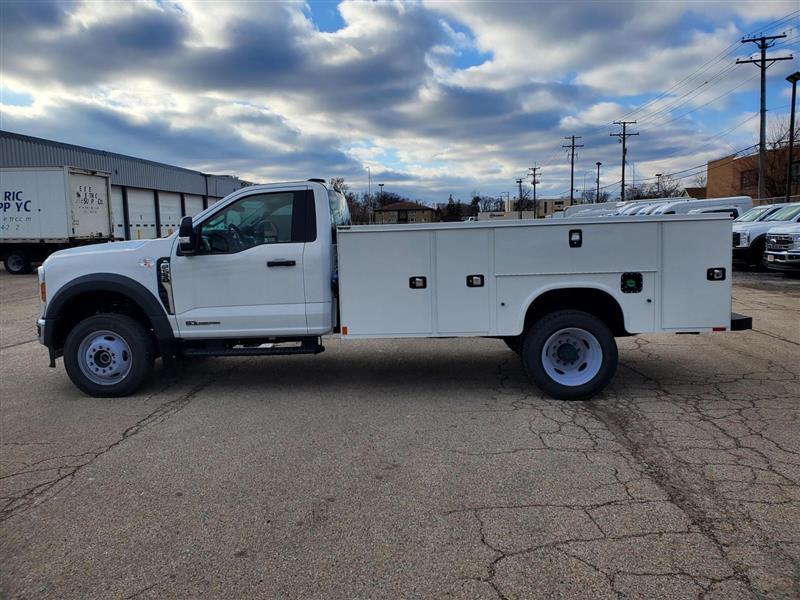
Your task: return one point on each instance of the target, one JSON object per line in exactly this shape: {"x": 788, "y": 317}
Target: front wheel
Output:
{"x": 108, "y": 355}
{"x": 569, "y": 354}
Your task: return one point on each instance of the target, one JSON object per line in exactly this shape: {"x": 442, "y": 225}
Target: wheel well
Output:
{"x": 593, "y": 301}
{"x": 87, "y": 304}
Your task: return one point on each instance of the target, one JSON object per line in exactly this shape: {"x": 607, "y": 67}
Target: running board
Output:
{"x": 273, "y": 351}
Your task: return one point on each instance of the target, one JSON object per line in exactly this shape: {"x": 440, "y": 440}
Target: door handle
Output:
{"x": 281, "y": 263}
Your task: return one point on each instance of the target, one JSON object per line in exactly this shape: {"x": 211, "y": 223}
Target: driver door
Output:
{"x": 246, "y": 280}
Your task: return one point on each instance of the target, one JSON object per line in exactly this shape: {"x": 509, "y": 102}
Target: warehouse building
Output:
{"x": 148, "y": 198}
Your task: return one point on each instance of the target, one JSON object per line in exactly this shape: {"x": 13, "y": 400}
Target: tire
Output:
{"x": 108, "y": 356}
{"x": 513, "y": 343}
{"x": 17, "y": 262}
{"x": 757, "y": 255}
{"x": 586, "y": 364}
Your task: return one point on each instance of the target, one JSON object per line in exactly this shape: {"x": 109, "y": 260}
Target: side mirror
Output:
{"x": 187, "y": 240}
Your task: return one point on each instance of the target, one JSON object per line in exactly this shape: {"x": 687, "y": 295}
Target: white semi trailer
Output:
{"x": 271, "y": 269}
{"x": 47, "y": 209}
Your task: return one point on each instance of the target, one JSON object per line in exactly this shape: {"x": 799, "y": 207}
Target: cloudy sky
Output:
{"x": 437, "y": 98}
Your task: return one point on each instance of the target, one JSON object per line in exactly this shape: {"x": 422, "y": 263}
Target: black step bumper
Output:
{"x": 741, "y": 322}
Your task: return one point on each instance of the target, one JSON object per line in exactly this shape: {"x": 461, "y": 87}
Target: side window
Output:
{"x": 253, "y": 221}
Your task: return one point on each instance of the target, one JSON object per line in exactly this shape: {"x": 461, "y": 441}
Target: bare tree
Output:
{"x": 701, "y": 180}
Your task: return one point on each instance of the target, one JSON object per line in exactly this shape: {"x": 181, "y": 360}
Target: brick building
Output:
{"x": 731, "y": 176}
{"x": 404, "y": 212}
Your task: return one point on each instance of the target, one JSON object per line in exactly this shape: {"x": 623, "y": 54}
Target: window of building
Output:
{"x": 402, "y": 216}
{"x": 748, "y": 179}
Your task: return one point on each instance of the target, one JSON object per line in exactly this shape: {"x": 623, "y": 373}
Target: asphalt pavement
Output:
{"x": 409, "y": 469}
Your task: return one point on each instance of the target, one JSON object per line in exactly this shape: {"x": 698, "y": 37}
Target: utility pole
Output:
{"x": 519, "y": 198}
{"x": 793, "y": 80}
{"x": 533, "y": 172}
{"x": 658, "y": 184}
{"x": 763, "y": 63}
{"x": 622, "y": 138}
{"x": 572, "y": 147}
{"x": 597, "y": 193}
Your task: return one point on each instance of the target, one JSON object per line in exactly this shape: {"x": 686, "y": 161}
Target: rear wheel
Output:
{"x": 569, "y": 354}
{"x": 17, "y": 263}
{"x": 108, "y": 355}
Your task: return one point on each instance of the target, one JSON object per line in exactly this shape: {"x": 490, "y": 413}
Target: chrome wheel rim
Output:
{"x": 105, "y": 357}
{"x": 572, "y": 356}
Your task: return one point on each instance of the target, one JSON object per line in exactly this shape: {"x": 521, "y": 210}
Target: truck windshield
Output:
{"x": 787, "y": 213}
{"x": 754, "y": 214}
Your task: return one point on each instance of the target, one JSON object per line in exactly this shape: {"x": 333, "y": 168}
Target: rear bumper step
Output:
{"x": 741, "y": 322}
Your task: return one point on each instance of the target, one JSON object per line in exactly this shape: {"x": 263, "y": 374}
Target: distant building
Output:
{"x": 404, "y": 212}
{"x": 148, "y": 198}
{"x": 548, "y": 206}
{"x": 732, "y": 176}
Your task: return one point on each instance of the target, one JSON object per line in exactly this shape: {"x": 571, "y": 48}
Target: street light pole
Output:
{"x": 793, "y": 80}
{"x": 597, "y": 193}
{"x": 369, "y": 194}
{"x": 380, "y": 198}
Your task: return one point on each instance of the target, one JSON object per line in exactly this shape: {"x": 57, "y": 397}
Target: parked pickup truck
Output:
{"x": 783, "y": 248}
{"x": 271, "y": 269}
{"x": 749, "y": 236}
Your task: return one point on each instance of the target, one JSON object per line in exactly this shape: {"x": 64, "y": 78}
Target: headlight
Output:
{"x": 796, "y": 241}
{"x": 744, "y": 238}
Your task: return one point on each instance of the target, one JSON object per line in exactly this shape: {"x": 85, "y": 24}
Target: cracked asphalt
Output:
{"x": 402, "y": 469}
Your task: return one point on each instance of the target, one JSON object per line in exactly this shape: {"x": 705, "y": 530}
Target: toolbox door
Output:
{"x": 462, "y": 281}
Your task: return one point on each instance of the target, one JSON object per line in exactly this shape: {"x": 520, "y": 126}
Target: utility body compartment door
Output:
{"x": 689, "y": 298}
{"x": 375, "y": 283}
{"x": 462, "y": 281}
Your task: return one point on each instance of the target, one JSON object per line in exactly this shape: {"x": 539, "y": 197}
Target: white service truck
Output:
{"x": 47, "y": 209}
{"x": 271, "y": 269}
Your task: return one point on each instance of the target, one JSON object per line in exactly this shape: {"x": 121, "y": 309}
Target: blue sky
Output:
{"x": 435, "y": 97}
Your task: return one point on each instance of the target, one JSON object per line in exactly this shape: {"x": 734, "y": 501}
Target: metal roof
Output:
{"x": 18, "y": 150}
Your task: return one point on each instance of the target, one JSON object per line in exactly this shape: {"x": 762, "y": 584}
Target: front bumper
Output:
{"x": 741, "y": 254}
{"x": 784, "y": 260}
{"x": 45, "y": 331}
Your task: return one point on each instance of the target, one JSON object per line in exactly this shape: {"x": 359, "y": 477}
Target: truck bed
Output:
{"x": 480, "y": 278}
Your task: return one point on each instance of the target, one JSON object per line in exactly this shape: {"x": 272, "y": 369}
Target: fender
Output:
{"x": 539, "y": 292}
{"x": 111, "y": 282}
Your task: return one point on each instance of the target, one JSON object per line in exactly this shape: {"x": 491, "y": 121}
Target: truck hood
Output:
{"x": 108, "y": 247}
{"x": 111, "y": 254}
{"x": 756, "y": 227}
{"x": 784, "y": 229}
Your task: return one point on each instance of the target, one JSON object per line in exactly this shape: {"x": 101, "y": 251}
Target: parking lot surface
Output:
{"x": 400, "y": 469}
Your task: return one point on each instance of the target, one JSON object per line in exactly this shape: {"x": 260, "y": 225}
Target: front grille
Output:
{"x": 735, "y": 239}
{"x": 779, "y": 242}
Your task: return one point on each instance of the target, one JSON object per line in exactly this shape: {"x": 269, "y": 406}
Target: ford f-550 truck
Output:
{"x": 272, "y": 268}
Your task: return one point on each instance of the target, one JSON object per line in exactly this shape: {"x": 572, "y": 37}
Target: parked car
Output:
{"x": 749, "y": 237}
{"x": 733, "y": 206}
{"x": 783, "y": 248}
